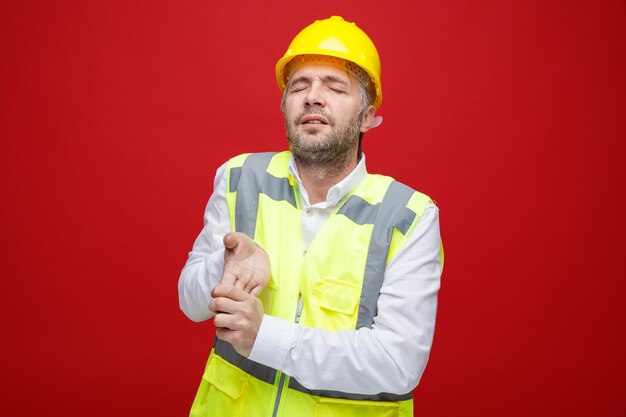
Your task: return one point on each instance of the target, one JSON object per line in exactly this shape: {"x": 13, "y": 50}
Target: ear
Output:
{"x": 368, "y": 118}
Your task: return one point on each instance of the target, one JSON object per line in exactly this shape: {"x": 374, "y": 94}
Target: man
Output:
{"x": 322, "y": 279}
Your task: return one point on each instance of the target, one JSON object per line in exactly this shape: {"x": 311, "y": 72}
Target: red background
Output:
{"x": 115, "y": 115}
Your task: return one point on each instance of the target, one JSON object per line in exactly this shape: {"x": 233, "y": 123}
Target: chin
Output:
{"x": 312, "y": 131}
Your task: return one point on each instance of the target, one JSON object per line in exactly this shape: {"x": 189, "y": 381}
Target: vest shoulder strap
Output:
{"x": 248, "y": 176}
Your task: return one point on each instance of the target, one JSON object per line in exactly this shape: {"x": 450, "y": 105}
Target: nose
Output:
{"x": 315, "y": 95}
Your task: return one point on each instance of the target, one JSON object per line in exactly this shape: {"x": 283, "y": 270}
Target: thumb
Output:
{"x": 231, "y": 240}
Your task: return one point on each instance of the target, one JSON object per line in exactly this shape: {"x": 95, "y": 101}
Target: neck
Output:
{"x": 317, "y": 180}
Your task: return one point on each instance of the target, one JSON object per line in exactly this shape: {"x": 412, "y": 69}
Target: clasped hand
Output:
{"x": 238, "y": 310}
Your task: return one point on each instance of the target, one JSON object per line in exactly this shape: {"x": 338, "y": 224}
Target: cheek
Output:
{"x": 347, "y": 112}
{"x": 290, "y": 109}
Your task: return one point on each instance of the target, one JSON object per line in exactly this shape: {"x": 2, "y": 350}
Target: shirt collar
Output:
{"x": 338, "y": 191}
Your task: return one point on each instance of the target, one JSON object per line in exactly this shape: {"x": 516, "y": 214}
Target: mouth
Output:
{"x": 313, "y": 119}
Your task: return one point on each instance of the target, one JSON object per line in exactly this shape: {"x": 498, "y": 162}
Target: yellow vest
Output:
{"x": 371, "y": 224}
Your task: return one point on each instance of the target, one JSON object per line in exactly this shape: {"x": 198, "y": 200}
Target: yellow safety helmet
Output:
{"x": 336, "y": 38}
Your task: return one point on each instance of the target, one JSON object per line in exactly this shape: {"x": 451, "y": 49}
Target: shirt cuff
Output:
{"x": 274, "y": 341}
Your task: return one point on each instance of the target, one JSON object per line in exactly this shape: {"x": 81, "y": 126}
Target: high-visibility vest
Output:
{"x": 365, "y": 232}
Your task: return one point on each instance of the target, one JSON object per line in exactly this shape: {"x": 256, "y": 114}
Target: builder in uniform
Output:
{"x": 322, "y": 279}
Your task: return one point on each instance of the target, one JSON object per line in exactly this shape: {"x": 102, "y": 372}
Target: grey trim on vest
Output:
{"x": 383, "y": 396}
{"x": 251, "y": 180}
{"x": 235, "y": 174}
{"x": 267, "y": 374}
{"x": 248, "y": 182}
{"x": 278, "y": 189}
{"x": 389, "y": 210}
{"x": 406, "y": 219}
{"x": 358, "y": 210}
{"x": 361, "y": 212}
{"x": 257, "y": 370}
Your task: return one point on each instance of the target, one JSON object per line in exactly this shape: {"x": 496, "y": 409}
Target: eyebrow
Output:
{"x": 327, "y": 78}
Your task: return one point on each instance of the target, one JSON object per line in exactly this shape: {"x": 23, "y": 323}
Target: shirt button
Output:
{"x": 308, "y": 212}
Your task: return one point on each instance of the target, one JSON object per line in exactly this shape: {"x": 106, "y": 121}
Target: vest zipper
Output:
{"x": 283, "y": 380}
{"x": 299, "y": 309}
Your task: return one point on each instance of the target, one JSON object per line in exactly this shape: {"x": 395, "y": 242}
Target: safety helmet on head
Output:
{"x": 334, "y": 37}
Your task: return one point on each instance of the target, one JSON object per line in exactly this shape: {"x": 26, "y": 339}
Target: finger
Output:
{"x": 256, "y": 290}
{"x": 232, "y": 271}
{"x": 252, "y": 283}
{"x": 223, "y": 305}
{"x": 228, "y": 277}
{"x": 226, "y": 321}
{"x": 244, "y": 277}
{"x": 240, "y": 284}
{"x": 229, "y": 291}
{"x": 259, "y": 279}
{"x": 224, "y": 334}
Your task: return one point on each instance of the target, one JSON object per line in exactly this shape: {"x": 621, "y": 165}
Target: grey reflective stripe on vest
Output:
{"x": 267, "y": 374}
{"x": 388, "y": 213}
{"x": 257, "y": 370}
{"x": 359, "y": 211}
{"x": 383, "y": 396}
{"x": 251, "y": 180}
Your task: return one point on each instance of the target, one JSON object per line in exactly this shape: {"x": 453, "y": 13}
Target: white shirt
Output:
{"x": 390, "y": 357}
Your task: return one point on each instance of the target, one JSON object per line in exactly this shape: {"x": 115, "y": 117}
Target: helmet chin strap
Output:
{"x": 377, "y": 121}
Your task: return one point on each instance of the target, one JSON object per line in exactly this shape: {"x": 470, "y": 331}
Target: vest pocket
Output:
{"x": 335, "y": 407}
{"x": 227, "y": 386}
{"x": 339, "y": 296}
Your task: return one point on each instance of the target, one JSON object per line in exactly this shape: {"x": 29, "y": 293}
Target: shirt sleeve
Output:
{"x": 391, "y": 356}
{"x": 205, "y": 265}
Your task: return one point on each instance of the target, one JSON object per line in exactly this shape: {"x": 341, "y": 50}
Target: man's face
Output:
{"x": 321, "y": 109}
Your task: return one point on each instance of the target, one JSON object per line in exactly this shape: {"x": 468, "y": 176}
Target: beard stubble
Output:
{"x": 330, "y": 152}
